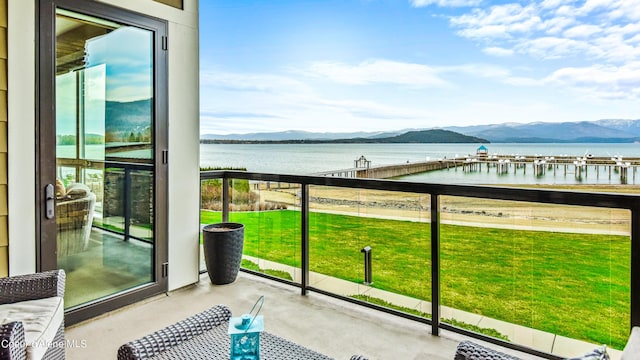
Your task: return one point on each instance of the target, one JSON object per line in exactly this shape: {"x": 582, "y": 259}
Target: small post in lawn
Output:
{"x": 367, "y": 265}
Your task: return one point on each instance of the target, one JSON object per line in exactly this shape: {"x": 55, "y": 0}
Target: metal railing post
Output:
{"x": 225, "y": 199}
{"x": 128, "y": 202}
{"x": 435, "y": 264}
{"x": 304, "y": 207}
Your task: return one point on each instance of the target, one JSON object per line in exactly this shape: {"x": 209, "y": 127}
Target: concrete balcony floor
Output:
{"x": 327, "y": 325}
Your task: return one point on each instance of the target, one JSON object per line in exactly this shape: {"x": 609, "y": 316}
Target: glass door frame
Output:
{"x": 46, "y": 230}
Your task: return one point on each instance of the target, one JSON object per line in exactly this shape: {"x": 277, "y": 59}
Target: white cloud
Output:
{"x": 496, "y": 73}
{"x": 551, "y": 29}
{"x": 498, "y": 51}
{"x": 478, "y": 70}
{"x": 523, "y": 81}
{"x": 551, "y": 47}
{"x": 505, "y": 22}
{"x": 593, "y": 5}
{"x": 488, "y": 31}
{"x": 405, "y": 74}
{"x": 627, "y": 8}
{"x": 614, "y": 49}
{"x": 626, "y": 30}
{"x": 513, "y": 17}
{"x": 264, "y": 102}
{"x": 582, "y": 31}
{"x": 378, "y": 71}
{"x": 445, "y": 3}
{"x": 367, "y": 109}
{"x": 252, "y": 82}
{"x": 239, "y": 102}
{"x": 556, "y": 25}
{"x": 550, "y": 4}
{"x": 601, "y": 81}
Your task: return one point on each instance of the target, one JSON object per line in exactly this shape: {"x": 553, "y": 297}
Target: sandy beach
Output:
{"x": 466, "y": 211}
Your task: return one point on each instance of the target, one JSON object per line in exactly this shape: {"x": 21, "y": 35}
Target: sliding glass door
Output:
{"x": 102, "y": 174}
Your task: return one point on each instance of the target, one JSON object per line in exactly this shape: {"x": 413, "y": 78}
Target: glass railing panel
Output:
{"x": 554, "y": 278}
{"x": 270, "y": 213}
{"x": 210, "y": 208}
{"x": 394, "y": 227}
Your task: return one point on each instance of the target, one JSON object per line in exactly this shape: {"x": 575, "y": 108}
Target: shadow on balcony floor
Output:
{"x": 324, "y": 324}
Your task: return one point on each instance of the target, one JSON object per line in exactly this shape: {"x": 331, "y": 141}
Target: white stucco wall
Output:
{"x": 21, "y": 131}
{"x": 183, "y": 200}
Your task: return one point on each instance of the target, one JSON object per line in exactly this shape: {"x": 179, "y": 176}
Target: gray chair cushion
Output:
{"x": 41, "y": 319}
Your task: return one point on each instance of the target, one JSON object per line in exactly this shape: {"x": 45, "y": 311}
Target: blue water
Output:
{"x": 313, "y": 158}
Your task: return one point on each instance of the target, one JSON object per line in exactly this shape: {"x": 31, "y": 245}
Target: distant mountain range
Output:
{"x": 616, "y": 131}
{"x": 293, "y": 135}
{"x": 602, "y": 131}
{"x": 421, "y": 136}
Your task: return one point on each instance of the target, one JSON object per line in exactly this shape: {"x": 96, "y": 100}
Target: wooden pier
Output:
{"x": 363, "y": 169}
{"x": 581, "y": 167}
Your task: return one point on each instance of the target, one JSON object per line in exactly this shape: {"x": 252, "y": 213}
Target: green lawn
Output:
{"x": 575, "y": 285}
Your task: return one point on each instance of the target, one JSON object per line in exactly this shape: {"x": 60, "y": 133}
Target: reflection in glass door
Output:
{"x": 104, "y": 125}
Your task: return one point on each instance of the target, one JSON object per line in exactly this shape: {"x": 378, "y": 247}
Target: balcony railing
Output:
{"x": 534, "y": 270}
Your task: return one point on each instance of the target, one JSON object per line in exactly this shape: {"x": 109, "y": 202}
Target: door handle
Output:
{"x": 50, "y": 198}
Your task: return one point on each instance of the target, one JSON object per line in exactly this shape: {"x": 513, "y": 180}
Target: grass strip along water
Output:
{"x": 574, "y": 285}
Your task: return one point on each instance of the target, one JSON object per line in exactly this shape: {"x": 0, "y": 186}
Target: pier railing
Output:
{"x": 540, "y": 271}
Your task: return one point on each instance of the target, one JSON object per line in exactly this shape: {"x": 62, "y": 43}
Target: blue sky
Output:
{"x": 373, "y": 65}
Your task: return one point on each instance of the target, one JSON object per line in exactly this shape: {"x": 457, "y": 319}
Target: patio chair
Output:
{"x": 74, "y": 218}
{"x": 468, "y": 350}
{"x": 32, "y": 316}
{"x": 204, "y": 336}
{"x": 155, "y": 344}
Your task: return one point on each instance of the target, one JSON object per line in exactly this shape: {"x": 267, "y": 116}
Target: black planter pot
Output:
{"x": 222, "y": 244}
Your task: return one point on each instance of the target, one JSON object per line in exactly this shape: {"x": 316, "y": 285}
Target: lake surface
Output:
{"x": 305, "y": 159}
